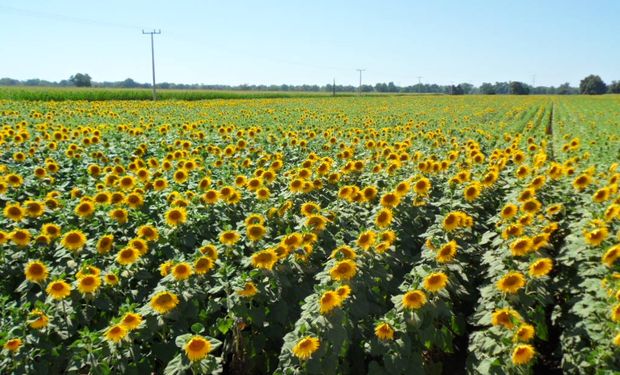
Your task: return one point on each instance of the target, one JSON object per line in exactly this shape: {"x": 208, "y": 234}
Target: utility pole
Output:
{"x": 420, "y": 80}
{"x": 334, "y": 88}
{"x": 153, "y": 57}
{"x": 533, "y": 80}
{"x": 360, "y": 89}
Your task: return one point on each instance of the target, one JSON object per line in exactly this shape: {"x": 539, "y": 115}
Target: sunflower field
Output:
{"x": 378, "y": 235}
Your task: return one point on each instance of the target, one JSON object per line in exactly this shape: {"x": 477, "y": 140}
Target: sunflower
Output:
{"x": 104, "y": 245}
{"x": 249, "y": 290}
{"x": 4, "y": 237}
{"x": 541, "y": 267}
{"x": 388, "y": 236}
{"x": 131, "y": 321}
{"x": 414, "y": 299}
{"x": 263, "y": 193}
{"x": 317, "y": 222}
{"x": 37, "y": 319}
{"x": 523, "y": 354}
{"x": 127, "y": 256}
{"x": 506, "y": 318}
{"x": 329, "y": 301}
{"x": 344, "y": 251}
{"x": 74, "y": 240}
{"x": 422, "y": 186}
{"x": 264, "y": 259}
{"x": 148, "y": 232}
{"x": 369, "y": 193}
{"x": 596, "y": 236}
{"x": 163, "y": 302}
{"x": 384, "y": 332}
{"x": 197, "y": 348}
{"x": 139, "y": 244}
{"x": 14, "y": 211}
{"x": 102, "y": 198}
{"x": 229, "y": 237}
{"x": 344, "y": 292}
{"x": 472, "y": 191}
{"x": 51, "y": 230}
{"x": 435, "y": 282}
{"x": 116, "y": 333}
{"x": 304, "y": 348}
{"x": 532, "y": 205}
{"x": 84, "y": 209}
{"x": 511, "y": 282}
{"x": 165, "y": 268}
{"x": 176, "y": 216}
{"x": 35, "y": 271}
{"x": 581, "y": 182}
{"x": 20, "y": 237}
{"x": 160, "y": 184}
{"x": 540, "y": 240}
{"x": 182, "y": 271}
{"x": 366, "y": 239}
{"x": 88, "y": 284}
{"x": 254, "y": 219}
{"x": 13, "y": 345}
{"x": 310, "y": 208}
{"x": 390, "y": 200}
{"x": 521, "y": 246}
{"x": 210, "y": 251}
{"x": 34, "y": 208}
{"x": 384, "y": 218}
{"x": 134, "y": 200}
{"x": 525, "y": 333}
{"x": 447, "y": 252}
{"x": 119, "y": 215}
{"x": 451, "y": 221}
{"x": 255, "y": 232}
{"x": 58, "y": 289}
{"x": 127, "y": 182}
{"x": 343, "y": 270}
{"x": 203, "y": 265}
{"x": 111, "y": 279}
{"x": 615, "y": 313}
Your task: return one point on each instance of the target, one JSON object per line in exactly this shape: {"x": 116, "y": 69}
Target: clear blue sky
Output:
{"x": 295, "y": 42}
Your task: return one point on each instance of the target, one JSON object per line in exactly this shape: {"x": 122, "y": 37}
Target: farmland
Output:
{"x": 317, "y": 235}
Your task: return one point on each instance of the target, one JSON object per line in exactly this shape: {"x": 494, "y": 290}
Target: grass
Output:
{"x": 92, "y": 94}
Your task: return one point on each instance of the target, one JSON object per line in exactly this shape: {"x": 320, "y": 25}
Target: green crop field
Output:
{"x": 308, "y": 235}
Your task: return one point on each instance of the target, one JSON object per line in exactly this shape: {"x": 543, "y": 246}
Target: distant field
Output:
{"x": 88, "y": 93}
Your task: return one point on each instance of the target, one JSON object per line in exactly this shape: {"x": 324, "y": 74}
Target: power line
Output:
{"x": 153, "y": 57}
{"x": 360, "y": 70}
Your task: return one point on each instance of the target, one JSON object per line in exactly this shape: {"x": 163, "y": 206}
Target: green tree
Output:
{"x": 487, "y": 89}
{"x": 592, "y": 85}
{"x": 81, "y": 80}
{"x": 614, "y": 88}
{"x": 519, "y": 88}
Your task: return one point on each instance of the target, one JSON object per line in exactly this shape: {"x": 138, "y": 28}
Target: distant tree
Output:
{"x": 565, "y": 89}
{"x": 456, "y": 90}
{"x": 81, "y": 80}
{"x": 592, "y": 85}
{"x": 130, "y": 83}
{"x": 614, "y": 88}
{"x": 519, "y": 88}
{"x": 487, "y": 89}
{"x": 8, "y": 82}
{"x": 381, "y": 87}
{"x": 468, "y": 88}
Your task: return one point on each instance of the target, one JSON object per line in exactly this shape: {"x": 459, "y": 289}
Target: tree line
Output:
{"x": 591, "y": 85}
